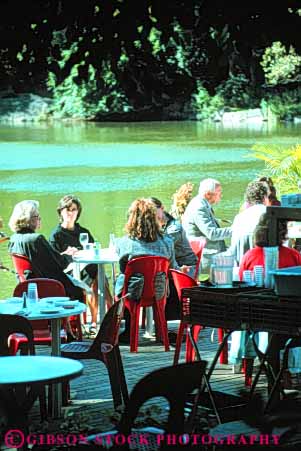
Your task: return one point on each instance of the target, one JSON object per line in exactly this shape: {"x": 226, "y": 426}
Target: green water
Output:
{"x": 109, "y": 165}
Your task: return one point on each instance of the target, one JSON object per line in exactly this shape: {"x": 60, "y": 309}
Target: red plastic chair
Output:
{"x": 197, "y": 245}
{"x": 149, "y": 266}
{"x": 23, "y": 268}
{"x": 181, "y": 281}
{"x": 41, "y": 332}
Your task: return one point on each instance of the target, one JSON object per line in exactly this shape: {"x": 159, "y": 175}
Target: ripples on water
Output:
{"x": 109, "y": 165}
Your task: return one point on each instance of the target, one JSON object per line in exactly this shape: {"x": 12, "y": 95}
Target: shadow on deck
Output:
{"x": 91, "y": 400}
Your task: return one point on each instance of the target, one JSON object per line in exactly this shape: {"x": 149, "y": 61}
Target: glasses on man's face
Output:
{"x": 38, "y": 217}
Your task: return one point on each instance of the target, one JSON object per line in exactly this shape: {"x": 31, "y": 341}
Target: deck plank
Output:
{"x": 91, "y": 393}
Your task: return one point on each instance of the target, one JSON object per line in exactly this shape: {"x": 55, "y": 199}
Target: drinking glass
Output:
{"x": 112, "y": 242}
{"x": 83, "y": 239}
{"x": 32, "y": 294}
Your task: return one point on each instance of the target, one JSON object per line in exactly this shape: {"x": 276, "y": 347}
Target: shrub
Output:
{"x": 79, "y": 98}
{"x": 280, "y": 66}
{"x": 204, "y": 104}
{"x": 283, "y": 165}
{"x": 237, "y": 92}
{"x": 285, "y": 105}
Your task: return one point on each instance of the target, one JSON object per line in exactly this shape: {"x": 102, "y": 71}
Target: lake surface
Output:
{"x": 109, "y": 165}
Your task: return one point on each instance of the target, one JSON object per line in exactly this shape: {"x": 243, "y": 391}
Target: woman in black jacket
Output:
{"x": 45, "y": 261}
{"x": 65, "y": 239}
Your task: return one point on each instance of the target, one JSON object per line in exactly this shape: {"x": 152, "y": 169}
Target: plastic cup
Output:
{"x": 258, "y": 275}
{"x": 247, "y": 276}
{"x": 32, "y": 294}
{"x": 97, "y": 247}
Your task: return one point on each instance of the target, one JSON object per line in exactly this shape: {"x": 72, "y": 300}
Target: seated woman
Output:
{"x": 272, "y": 193}
{"x": 241, "y": 347}
{"x": 287, "y": 256}
{"x": 45, "y": 261}
{"x": 65, "y": 239}
{"x": 144, "y": 237}
{"x": 180, "y": 200}
{"x": 184, "y": 255}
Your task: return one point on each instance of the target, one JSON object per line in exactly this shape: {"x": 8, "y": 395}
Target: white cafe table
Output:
{"x": 33, "y": 372}
{"x": 54, "y": 314}
{"x": 106, "y": 256}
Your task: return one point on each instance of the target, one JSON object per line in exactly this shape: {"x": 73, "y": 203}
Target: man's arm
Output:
{"x": 206, "y": 224}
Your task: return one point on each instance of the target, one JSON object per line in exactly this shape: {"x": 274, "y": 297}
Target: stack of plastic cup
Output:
{"x": 32, "y": 294}
{"x": 235, "y": 274}
{"x": 247, "y": 276}
{"x": 271, "y": 258}
{"x": 258, "y": 275}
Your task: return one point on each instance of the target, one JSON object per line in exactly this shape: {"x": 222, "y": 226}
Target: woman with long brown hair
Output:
{"x": 143, "y": 237}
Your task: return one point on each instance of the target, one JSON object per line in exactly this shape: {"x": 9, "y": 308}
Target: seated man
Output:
{"x": 199, "y": 220}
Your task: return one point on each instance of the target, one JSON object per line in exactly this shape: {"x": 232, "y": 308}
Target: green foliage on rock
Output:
{"x": 85, "y": 98}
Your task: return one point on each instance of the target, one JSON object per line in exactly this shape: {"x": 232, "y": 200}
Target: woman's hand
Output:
{"x": 185, "y": 269}
{"x": 70, "y": 251}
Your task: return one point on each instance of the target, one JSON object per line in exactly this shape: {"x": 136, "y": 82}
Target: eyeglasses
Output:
{"x": 71, "y": 209}
{"x": 38, "y": 217}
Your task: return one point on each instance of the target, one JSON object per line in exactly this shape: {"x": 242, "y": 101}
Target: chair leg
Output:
{"x": 134, "y": 332}
{"x": 123, "y": 384}
{"x": 113, "y": 369}
{"x": 223, "y": 359}
{"x": 13, "y": 346}
{"x": 247, "y": 366}
{"x": 190, "y": 352}
{"x": 143, "y": 319}
{"x": 65, "y": 393}
{"x": 160, "y": 313}
{"x": 181, "y": 329}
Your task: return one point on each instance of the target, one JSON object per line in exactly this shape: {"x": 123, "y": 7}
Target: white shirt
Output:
{"x": 243, "y": 228}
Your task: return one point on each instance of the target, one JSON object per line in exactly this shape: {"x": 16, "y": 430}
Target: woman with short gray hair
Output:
{"x": 46, "y": 262}
{"x": 23, "y": 215}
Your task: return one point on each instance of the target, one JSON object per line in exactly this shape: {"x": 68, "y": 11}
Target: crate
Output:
{"x": 291, "y": 200}
{"x": 270, "y": 313}
{"x": 216, "y": 307}
{"x": 288, "y": 281}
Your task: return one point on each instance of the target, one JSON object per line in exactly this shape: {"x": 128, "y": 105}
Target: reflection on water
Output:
{"x": 109, "y": 165}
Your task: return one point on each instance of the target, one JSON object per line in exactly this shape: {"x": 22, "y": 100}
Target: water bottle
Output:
{"x": 24, "y": 297}
{"x": 32, "y": 294}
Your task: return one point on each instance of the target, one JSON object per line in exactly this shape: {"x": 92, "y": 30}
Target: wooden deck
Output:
{"x": 91, "y": 394}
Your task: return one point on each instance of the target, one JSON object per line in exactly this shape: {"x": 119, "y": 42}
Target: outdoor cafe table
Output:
{"x": 33, "y": 372}
{"x": 254, "y": 312}
{"x": 106, "y": 256}
{"x": 54, "y": 314}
